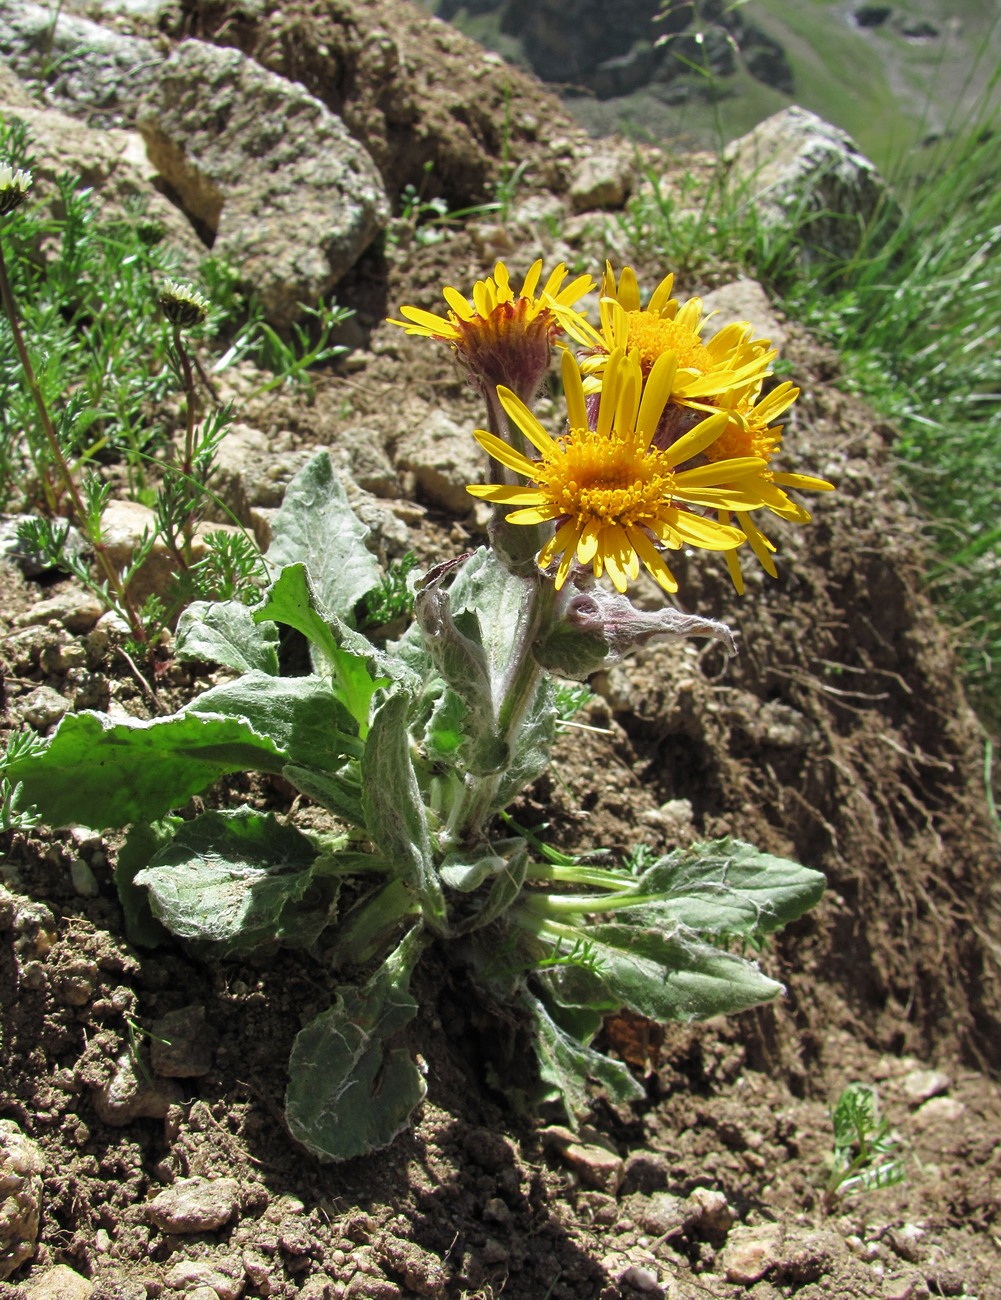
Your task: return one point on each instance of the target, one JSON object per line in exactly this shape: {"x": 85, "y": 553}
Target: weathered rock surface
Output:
{"x": 21, "y": 1168}
{"x": 111, "y": 162}
{"x": 87, "y": 69}
{"x": 194, "y": 1205}
{"x": 266, "y": 171}
{"x": 805, "y": 176}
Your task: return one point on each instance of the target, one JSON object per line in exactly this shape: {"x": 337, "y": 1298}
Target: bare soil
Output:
{"x": 839, "y": 736}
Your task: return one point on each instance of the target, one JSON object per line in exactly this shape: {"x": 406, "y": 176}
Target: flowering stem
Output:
{"x": 68, "y": 485}
{"x": 187, "y": 465}
{"x": 51, "y": 438}
{"x": 477, "y": 800}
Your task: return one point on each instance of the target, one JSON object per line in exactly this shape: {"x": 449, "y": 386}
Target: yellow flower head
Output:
{"x": 704, "y": 371}
{"x": 611, "y": 493}
{"x": 751, "y": 432}
{"x": 499, "y": 336}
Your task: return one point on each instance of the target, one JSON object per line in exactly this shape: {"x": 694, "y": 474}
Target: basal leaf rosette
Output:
{"x": 614, "y": 496}
{"x": 499, "y": 336}
{"x": 725, "y": 374}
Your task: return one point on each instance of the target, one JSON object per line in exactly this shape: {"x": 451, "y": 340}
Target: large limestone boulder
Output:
{"x": 267, "y": 172}
{"x": 81, "y": 67}
{"x": 808, "y": 177}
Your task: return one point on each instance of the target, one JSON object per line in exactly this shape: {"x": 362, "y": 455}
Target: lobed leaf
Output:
{"x": 99, "y": 772}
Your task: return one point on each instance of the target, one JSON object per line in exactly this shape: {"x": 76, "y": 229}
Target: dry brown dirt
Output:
{"x": 839, "y": 736}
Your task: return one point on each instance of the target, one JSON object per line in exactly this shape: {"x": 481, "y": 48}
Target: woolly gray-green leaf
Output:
{"x": 316, "y": 526}
{"x": 351, "y": 1091}
{"x": 237, "y": 878}
{"x": 726, "y": 887}
{"x": 566, "y": 1062}
{"x": 225, "y": 632}
{"x": 662, "y": 976}
{"x": 394, "y": 811}
{"x": 300, "y": 714}
{"x": 100, "y": 772}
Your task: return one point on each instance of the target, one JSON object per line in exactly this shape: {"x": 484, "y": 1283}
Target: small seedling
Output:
{"x": 865, "y": 1151}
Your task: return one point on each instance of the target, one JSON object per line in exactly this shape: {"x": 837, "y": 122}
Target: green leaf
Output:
{"x": 394, "y": 811}
{"x": 300, "y": 715}
{"x": 462, "y": 662}
{"x": 98, "y": 772}
{"x": 725, "y": 887}
{"x": 340, "y": 791}
{"x": 237, "y": 878}
{"x": 226, "y": 632}
{"x": 141, "y": 844}
{"x": 504, "y": 865}
{"x": 566, "y": 1062}
{"x": 342, "y": 651}
{"x": 533, "y": 747}
{"x": 661, "y": 976}
{"x": 350, "y": 1091}
{"x": 316, "y": 526}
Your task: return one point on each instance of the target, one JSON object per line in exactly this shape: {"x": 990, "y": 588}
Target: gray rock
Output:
{"x": 269, "y": 173}
{"x": 803, "y": 174}
{"x": 594, "y": 1166}
{"x": 921, "y": 1085}
{"x": 114, "y": 165}
{"x": 253, "y": 470}
{"x": 29, "y": 562}
{"x": 44, "y": 707}
{"x": 92, "y": 71}
{"x": 602, "y": 179}
{"x": 76, "y": 610}
{"x": 194, "y": 1275}
{"x": 443, "y": 457}
{"x": 21, "y": 1167}
{"x": 59, "y": 1283}
{"x": 661, "y": 1214}
{"x": 130, "y": 1094}
{"x": 182, "y": 1045}
{"x": 194, "y": 1205}
{"x": 751, "y": 1253}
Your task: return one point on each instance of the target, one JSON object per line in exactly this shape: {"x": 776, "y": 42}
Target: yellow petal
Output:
{"x": 573, "y": 389}
{"x": 532, "y": 278}
{"x": 526, "y": 421}
{"x": 436, "y": 325}
{"x": 587, "y": 543}
{"x": 652, "y": 559}
{"x": 564, "y": 537}
{"x": 534, "y": 514}
{"x": 723, "y": 471}
{"x": 660, "y": 297}
{"x": 459, "y": 303}
{"x": 656, "y": 391}
{"x": 696, "y": 440}
{"x": 628, "y": 292}
{"x": 506, "y": 454}
{"x": 806, "y": 482}
{"x": 506, "y": 494}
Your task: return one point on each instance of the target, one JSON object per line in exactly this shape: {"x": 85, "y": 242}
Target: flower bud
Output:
{"x": 14, "y": 187}
{"x": 182, "y": 305}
